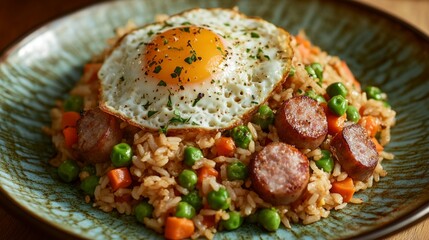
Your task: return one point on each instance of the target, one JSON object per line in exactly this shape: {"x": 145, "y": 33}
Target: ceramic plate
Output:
{"x": 380, "y": 50}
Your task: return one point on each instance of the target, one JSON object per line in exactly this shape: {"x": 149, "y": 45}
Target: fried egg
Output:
{"x": 203, "y": 69}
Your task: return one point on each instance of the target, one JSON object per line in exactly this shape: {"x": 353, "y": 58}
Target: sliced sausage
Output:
{"x": 302, "y": 122}
{"x": 355, "y": 152}
{"x": 97, "y": 133}
{"x": 279, "y": 173}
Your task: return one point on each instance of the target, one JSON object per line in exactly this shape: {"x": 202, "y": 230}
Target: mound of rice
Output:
{"x": 158, "y": 159}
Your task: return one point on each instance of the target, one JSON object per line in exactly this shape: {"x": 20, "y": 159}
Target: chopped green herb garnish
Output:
{"x": 169, "y": 102}
{"x": 151, "y": 113}
{"x": 178, "y": 119}
{"x": 200, "y": 95}
{"x": 220, "y": 50}
{"x": 254, "y": 35}
{"x": 165, "y": 41}
{"x": 186, "y": 23}
{"x": 267, "y": 57}
{"x": 226, "y": 24}
{"x": 247, "y": 50}
{"x": 195, "y": 123}
{"x": 185, "y": 29}
{"x": 178, "y": 70}
{"x": 191, "y": 59}
{"x": 254, "y": 102}
{"x": 157, "y": 69}
{"x": 150, "y": 33}
{"x": 162, "y": 83}
{"x": 164, "y": 129}
{"x": 188, "y": 60}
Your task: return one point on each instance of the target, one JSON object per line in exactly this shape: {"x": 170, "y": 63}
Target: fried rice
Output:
{"x": 158, "y": 158}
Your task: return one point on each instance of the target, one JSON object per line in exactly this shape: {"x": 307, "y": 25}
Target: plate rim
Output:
{"x": 26, "y": 215}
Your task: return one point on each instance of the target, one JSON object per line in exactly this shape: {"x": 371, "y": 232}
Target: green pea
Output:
{"x": 90, "y": 169}
{"x": 373, "y": 93}
{"x": 326, "y": 163}
{"x": 121, "y": 155}
{"x": 68, "y": 171}
{"x": 89, "y": 184}
{"x": 218, "y": 199}
{"x": 312, "y": 94}
{"x": 194, "y": 199}
{"x": 264, "y": 117}
{"x": 143, "y": 210}
{"x": 326, "y": 154}
{"x": 192, "y": 154}
{"x": 269, "y": 219}
{"x": 311, "y": 72}
{"x": 185, "y": 210}
{"x": 337, "y": 88}
{"x": 73, "y": 103}
{"x": 233, "y": 222}
{"x": 338, "y": 105}
{"x": 188, "y": 179}
{"x": 236, "y": 171}
{"x": 241, "y": 136}
{"x": 292, "y": 72}
{"x": 352, "y": 114}
{"x": 318, "y": 70}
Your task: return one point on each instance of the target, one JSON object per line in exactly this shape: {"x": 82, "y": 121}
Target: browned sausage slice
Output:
{"x": 279, "y": 173}
{"x": 355, "y": 151}
{"x": 302, "y": 122}
{"x": 97, "y": 133}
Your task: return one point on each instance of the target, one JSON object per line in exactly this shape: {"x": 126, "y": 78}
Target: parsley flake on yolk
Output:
{"x": 184, "y": 55}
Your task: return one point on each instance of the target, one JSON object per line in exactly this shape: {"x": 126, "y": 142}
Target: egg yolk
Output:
{"x": 184, "y": 55}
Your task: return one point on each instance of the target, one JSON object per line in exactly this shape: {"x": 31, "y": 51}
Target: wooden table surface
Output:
{"x": 19, "y": 17}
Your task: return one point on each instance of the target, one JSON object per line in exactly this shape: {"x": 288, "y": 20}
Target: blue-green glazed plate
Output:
{"x": 380, "y": 50}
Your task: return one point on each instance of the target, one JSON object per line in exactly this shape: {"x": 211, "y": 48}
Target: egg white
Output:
{"x": 258, "y": 59}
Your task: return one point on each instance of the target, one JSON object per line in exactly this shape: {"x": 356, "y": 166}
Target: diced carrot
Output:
{"x": 335, "y": 123}
{"x": 69, "y": 119}
{"x": 350, "y": 75}
{"x": 371, "y": 124}
{"x": 225, "y": 146}
{"x": 205, "y": 172}
{"x": 302, "y": 41}
{"x": 378, "y": 146}
{"x": 119, "y": 178}
{"x": 209, "y": 220}
{"x": 178, "y": 228}
{"x": 70, "y": 136}
{"x": 305, "y": 47}
{"x": 345, "y": 188}
{"x": 90, "y": 71}
{"x": 362, "y": 110}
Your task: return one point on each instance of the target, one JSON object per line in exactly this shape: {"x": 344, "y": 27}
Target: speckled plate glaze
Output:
{"x": 380, "y": 50}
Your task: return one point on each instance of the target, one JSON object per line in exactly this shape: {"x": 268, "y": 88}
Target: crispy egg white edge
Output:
{"x": 285, "y": 56}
